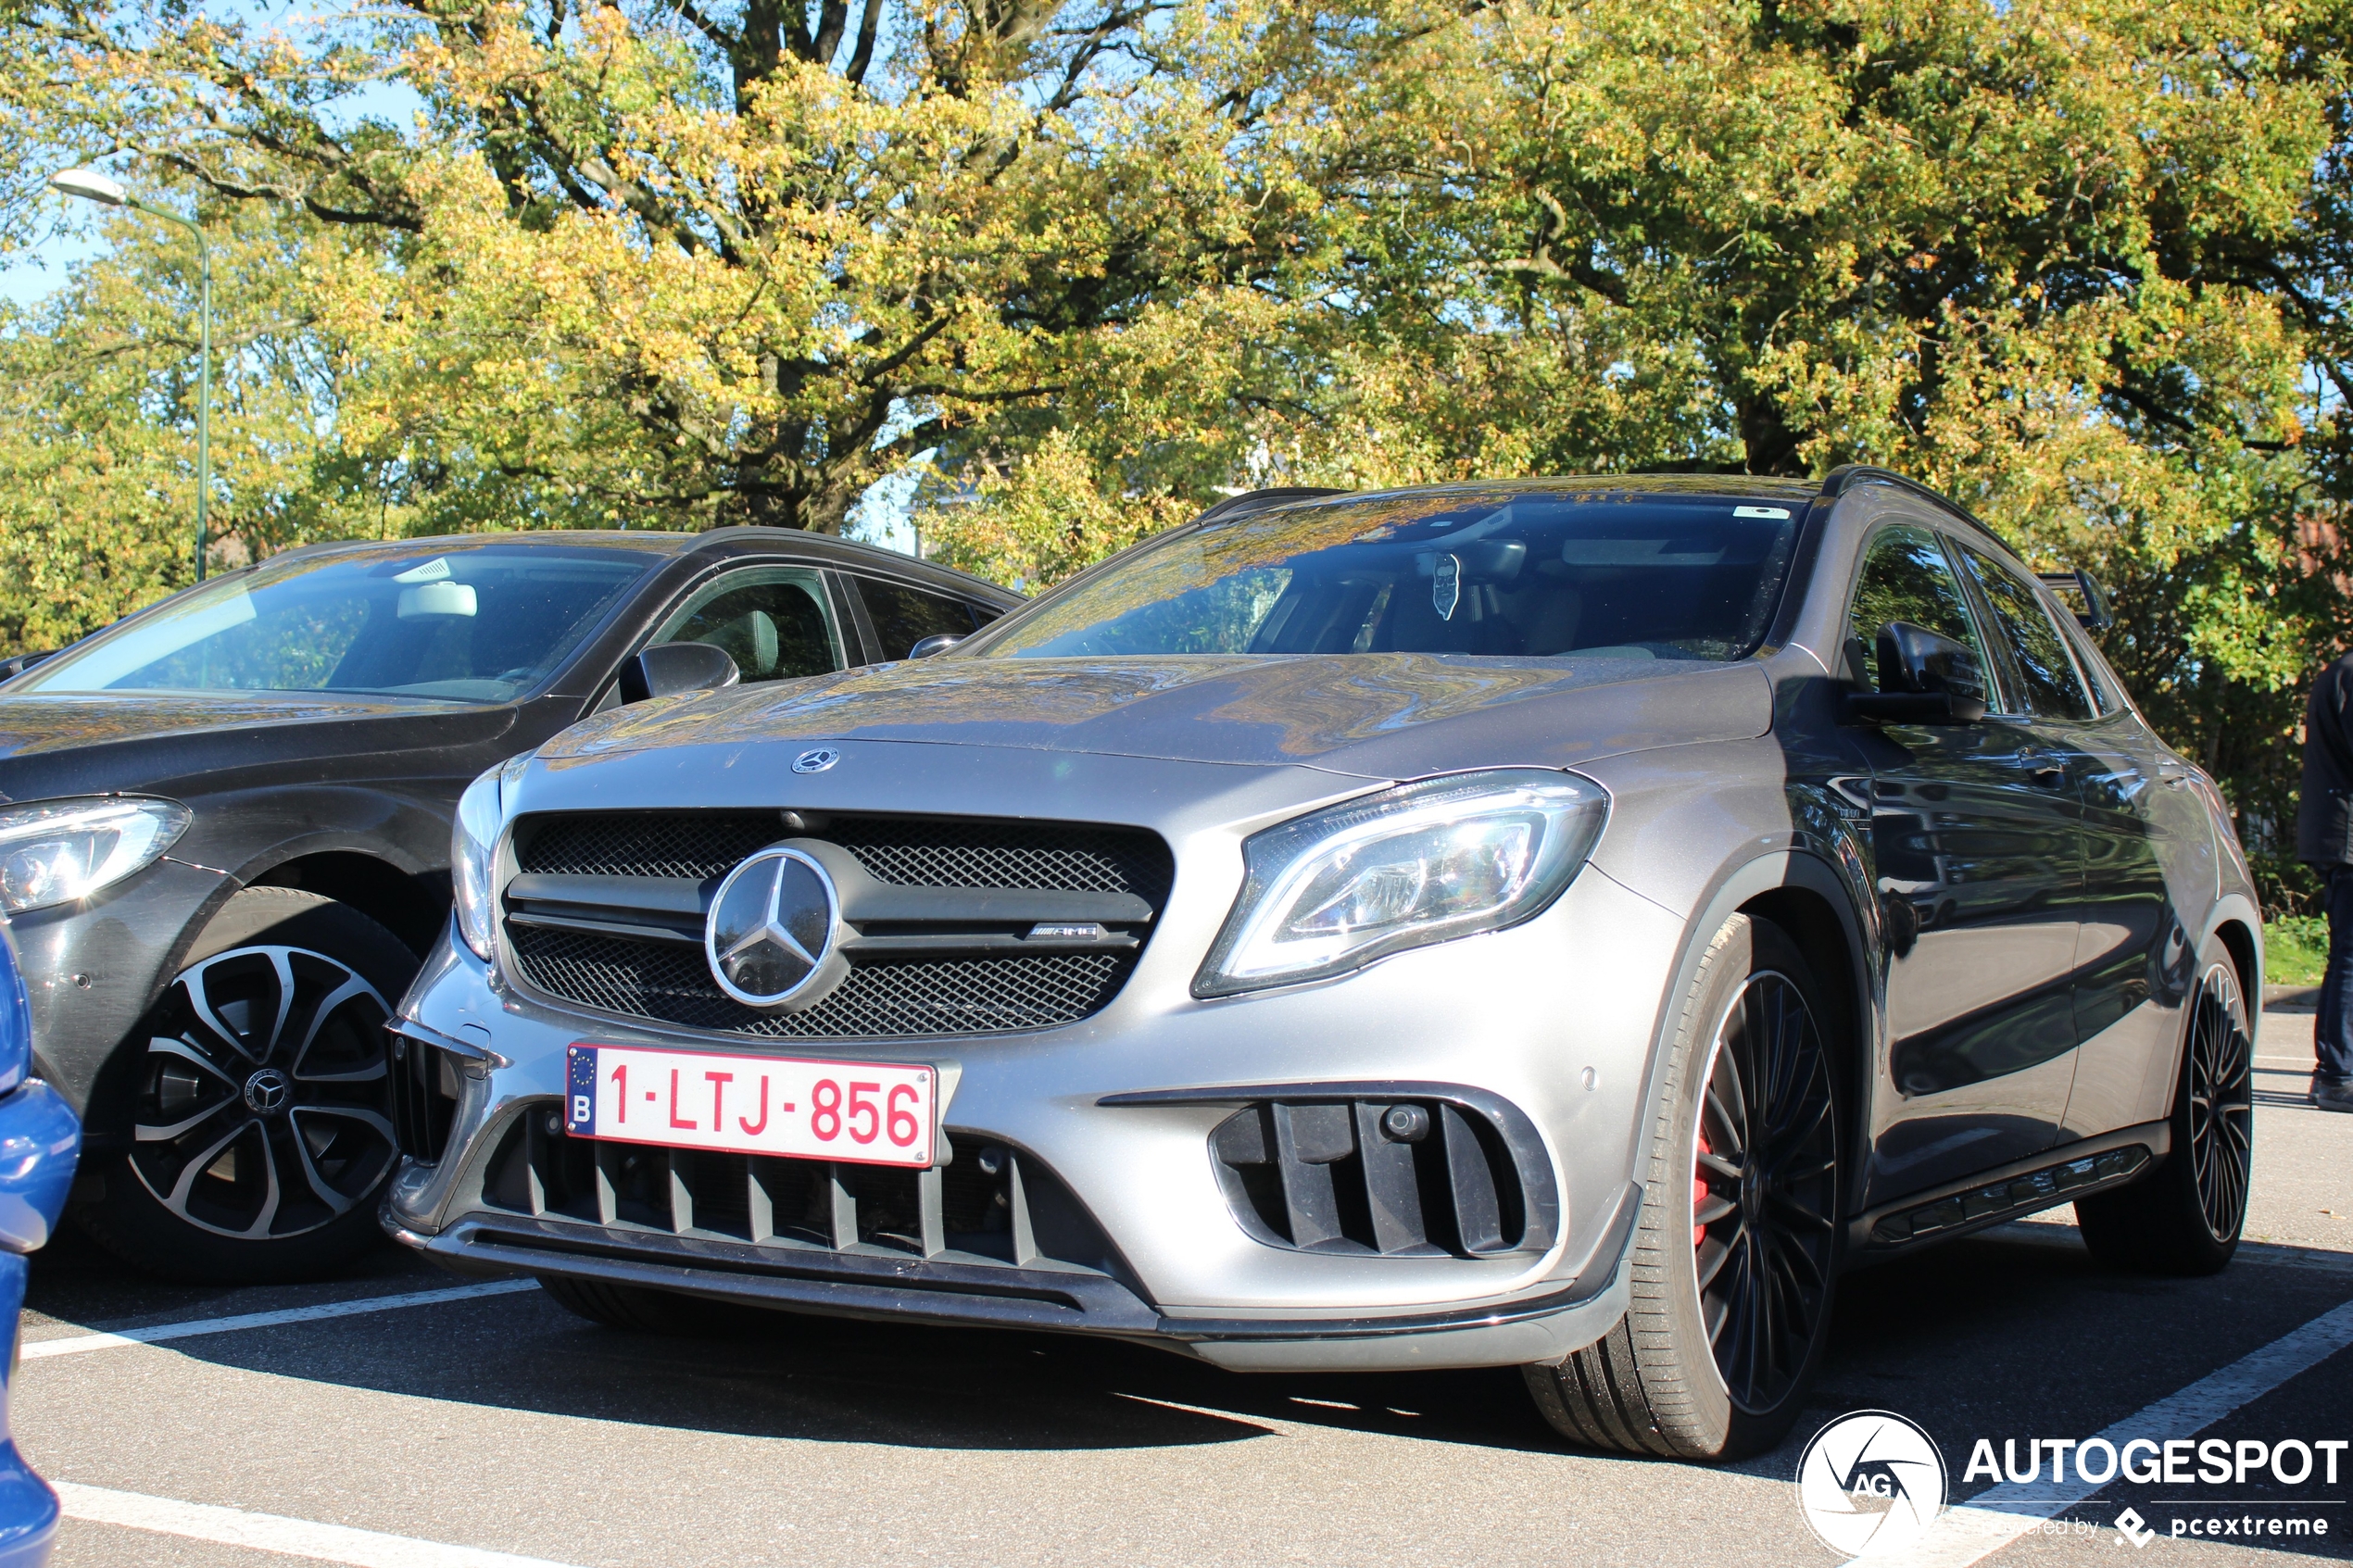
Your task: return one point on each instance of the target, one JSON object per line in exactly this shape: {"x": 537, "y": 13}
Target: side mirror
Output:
{"x": 1923, "y": 679}
{"x": 668, "y": 669}
{"x": 938, "y": 642}
{"x": 2095, "y": 616}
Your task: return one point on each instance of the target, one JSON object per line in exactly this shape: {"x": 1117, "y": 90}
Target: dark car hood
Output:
{"x": 1381, "y": 715}
{"x": 83, "y": 742}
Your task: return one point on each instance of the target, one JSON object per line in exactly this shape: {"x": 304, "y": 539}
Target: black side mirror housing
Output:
{"x": 668, "y": 669}
{"x": 938, "y": 642}
{"x": 1924, "y": 678}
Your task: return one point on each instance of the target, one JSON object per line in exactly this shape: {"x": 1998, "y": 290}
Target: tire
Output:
{"x": 1713, "y": 1246}
{"x": 236, "y": 1176}
{"x": 2185, "y": 1217}
{"x": 640, "y": 1310}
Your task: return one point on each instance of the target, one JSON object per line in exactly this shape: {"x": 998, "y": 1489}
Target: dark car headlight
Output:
{"x": 1421, "y": 863}
{"x": 56, "y": 852}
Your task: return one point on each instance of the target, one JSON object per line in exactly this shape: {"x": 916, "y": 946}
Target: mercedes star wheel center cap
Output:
{"x": 771, "y": 927}
{"x": 268, "y": 1091}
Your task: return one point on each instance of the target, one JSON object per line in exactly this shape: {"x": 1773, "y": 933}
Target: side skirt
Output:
{"x": 2008, "y": 1192}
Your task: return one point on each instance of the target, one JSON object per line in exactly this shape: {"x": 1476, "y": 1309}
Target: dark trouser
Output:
{"x": 2333, "y": 1033}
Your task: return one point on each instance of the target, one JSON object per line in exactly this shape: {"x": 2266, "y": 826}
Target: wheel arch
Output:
{"x": 412, "y": 905}
{"x": 1802, "y": 892}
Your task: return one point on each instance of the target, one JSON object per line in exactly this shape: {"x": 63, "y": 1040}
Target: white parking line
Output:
{"x": 270, "y": 1531}
{"x": 78, "y": 1344}
{"x": 2001, "y": 1515}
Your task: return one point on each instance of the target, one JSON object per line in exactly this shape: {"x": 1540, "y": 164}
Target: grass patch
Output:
{"x": 2296, "y": 948}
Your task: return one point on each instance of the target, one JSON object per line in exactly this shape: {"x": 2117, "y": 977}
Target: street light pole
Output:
{"x": 91, "y": 185}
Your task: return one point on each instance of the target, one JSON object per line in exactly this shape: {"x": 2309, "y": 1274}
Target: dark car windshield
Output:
{"x": 476, "y": 622}
{"x": 1504, "y": 573}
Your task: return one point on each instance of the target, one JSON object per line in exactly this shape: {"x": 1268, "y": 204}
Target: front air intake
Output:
{"x": 1398, "y": 1176}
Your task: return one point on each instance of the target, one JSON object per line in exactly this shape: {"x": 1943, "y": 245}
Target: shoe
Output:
{"x": 2332, "y": 1094}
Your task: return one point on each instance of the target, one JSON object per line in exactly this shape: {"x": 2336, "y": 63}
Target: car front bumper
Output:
{"x": 1552, "y": 1020}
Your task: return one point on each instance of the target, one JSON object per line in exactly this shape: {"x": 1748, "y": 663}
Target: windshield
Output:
{"x": 471, "y": 622}
{"x": 1505, "y": 573}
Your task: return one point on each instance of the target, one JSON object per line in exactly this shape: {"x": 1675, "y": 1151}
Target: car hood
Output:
{"x": 168, "y": 744}
{"x": 32, "y": 723}
{"x": 1378, "y": 715}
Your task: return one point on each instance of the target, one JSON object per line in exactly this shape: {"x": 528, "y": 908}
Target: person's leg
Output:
{"x": 2333, "y": 1030}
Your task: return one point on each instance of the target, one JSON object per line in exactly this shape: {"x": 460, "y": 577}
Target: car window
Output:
{"x": 2050, "y": 684}
{"x": 904, "y": 616}
{"x": 480, "y": 622}
{"x": 1906, "y": 576}
{"x": 772, "y": 620}
{"x": 1481, "y": 571}
{"x": 2107, "y": 692}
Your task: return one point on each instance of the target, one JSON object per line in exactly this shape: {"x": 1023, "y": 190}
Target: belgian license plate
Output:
{"x": 861, "y": 1113}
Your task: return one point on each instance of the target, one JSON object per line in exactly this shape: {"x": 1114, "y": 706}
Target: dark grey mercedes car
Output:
{"x": 224, "y": 830}
{"x": 1561, "y": 924}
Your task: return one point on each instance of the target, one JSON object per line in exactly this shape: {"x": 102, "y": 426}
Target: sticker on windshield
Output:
{"x": 1446, "y": 586}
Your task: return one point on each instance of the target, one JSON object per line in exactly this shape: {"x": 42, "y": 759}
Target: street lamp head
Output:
{"x": 91, "y": 185}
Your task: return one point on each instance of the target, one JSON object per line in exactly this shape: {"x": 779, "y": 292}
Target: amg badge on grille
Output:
{"x": 770, "y": 937}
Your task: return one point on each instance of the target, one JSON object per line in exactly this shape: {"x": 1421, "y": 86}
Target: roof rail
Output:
{"x": 1251, "y": 501}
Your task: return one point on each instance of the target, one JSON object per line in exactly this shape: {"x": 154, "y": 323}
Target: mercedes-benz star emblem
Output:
{"x": 815, "y": 762}
{"x": 770, "y": 930}
{"x": 268, "y": 1091}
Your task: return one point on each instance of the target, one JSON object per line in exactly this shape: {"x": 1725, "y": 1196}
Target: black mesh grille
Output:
{"x": 669, "y": 982}
{"x": 695, "y": 844}
{"x": 883, "y": 997}
{"x": 936, "y": 852}
{"x": 901, "y": 851}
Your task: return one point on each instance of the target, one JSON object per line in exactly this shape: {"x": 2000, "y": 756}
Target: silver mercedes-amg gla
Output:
{"x": 1562, "y": 923}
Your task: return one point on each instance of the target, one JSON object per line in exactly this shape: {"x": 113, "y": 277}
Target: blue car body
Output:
{"x": 39, "y": 1139}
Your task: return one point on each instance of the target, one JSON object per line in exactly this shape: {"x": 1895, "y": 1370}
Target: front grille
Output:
{"x": 957, "y": 960}
{"x": 690, "y": 843}
{"x": 671, "y": 984}
{"x": 898, "y": 851}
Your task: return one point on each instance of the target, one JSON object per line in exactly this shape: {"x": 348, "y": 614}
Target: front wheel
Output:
{"x": 2185, "y": 1217}
{"x": 261, "y": 1132}
{"x": 1736, "y": 1251}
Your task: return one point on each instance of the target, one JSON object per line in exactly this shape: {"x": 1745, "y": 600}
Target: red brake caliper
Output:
{"x": 1699, "y": 1189}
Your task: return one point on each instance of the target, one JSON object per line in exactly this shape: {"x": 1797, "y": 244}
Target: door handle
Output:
{"x": 2049, "y": 775}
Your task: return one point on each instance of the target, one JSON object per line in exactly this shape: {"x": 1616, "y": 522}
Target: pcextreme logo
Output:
{"x": 1870, "y": 1484}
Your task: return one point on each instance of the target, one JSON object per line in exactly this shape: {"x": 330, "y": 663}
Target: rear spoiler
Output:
{"x": 2095, "y": 616}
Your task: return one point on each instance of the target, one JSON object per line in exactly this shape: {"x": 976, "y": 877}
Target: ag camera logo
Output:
{"x": 1870, "y": 1484}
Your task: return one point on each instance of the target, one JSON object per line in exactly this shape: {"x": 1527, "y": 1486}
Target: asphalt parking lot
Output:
{"x": 438, "y": 1435}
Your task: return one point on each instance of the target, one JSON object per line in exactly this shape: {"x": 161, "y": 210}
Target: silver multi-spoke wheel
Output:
{"x": 2221, "y": 1102}
{"x": 260, "y": 1111}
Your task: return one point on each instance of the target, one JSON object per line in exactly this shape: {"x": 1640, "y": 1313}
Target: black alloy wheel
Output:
{"x": 1732, "y": 1269}
{"x": 1765, "y": 1191}
{"x": 2184, "y": 1215}
{"x": 2221, "y": 1103}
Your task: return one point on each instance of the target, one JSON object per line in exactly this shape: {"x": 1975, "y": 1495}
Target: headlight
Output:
{"x": 54, "y": 851}
{"x": 474, "y": 846}
{"x": 1422, "y": 863}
